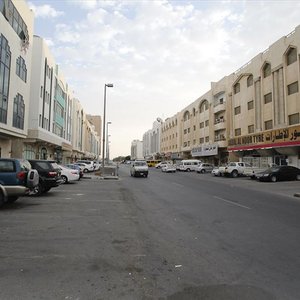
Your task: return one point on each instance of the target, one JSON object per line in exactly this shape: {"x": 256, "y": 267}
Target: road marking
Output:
{"x": 231, "y": 202}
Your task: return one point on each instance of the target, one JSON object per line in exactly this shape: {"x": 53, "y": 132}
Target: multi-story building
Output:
{"x": 251, "y": 114}
{"x": 16, "y": 42}
{"x": 152, "y": 140}
{"x": 137, "y": 150}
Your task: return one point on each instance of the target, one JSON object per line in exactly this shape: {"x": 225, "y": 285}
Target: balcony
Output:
{"x": 219, "y": 124}
{"x": 220, "y": 140}
{"x": 218, "y": 107}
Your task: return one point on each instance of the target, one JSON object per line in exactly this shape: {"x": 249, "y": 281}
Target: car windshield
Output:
{"x": 140, "y": 163}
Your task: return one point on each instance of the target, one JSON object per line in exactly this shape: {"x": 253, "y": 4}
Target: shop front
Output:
{"x": 278, "y": 146}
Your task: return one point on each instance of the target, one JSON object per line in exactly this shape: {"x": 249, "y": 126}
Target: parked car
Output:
{"x": 89, "y": 164}
{"x": 49, "y": 175}
{"x": 75, "y": 167}
{"x": 204, "y": 167}
{"x": 234, "y": 169}
{"x": 139, "y": 168}
{"x": 17, "y": 178}
{"x": 85, "y": 167}
{"x": 161, "y": 164}
{"x": 279, "y": 173}
{"x": 68, "y": 174}
{"x": 215, "y": 171}
{"x": 169, "y": 168}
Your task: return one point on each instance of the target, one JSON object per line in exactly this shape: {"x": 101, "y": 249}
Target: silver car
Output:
{"x": 204, "y": 167}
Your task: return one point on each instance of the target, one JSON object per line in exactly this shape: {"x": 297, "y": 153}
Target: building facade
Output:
{"x": 250, "y": 115}
{"x": 152, "y": 141}
{"x": 136, "y": 150}
{"x": 16, "y": 42}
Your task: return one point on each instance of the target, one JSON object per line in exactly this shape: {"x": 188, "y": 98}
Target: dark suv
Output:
{"x": 17, "y": 178}
{"x": 50, "y": 175}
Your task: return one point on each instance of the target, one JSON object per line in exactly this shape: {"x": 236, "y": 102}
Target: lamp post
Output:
{"x": 107, "y": 142}
{"x": 103, "y": 124}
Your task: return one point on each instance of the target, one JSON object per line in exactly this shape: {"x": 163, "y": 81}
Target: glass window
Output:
{"x": 250, "y": 105}
{"x": 267, "y": 70}
{"x": 237, "y": 110}
{"x": 237, "y": 131}
{"x": 21, "y": 69}
{"x": 291, "y": 56}
{"x": 269, "y": 124}
{"x": 236, "y": 88}
{"x": 268, "y": 98}
{"x": 293, "y": 88}
{"x": 206, "y": 123}
{"x": 294, "y": 119}
{"x": 250, "y": 128}
{"x": 250, "y": 80}
{"x": 19, "y": 111}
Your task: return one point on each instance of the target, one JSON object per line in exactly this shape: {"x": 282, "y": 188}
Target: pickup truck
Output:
{"x": 234, "y": 169}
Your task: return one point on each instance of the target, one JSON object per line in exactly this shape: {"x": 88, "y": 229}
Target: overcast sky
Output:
{"x": 160, "y": 55}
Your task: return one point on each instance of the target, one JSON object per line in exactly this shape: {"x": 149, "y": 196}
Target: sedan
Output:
{"x": 279, "y": 173}
{"x": 169, "y": 168}
{"x": 215, "y": 171}
{"x": 203, "y": 168}
{"x": 68, "y": 174}
{"x": 75, "y": 167}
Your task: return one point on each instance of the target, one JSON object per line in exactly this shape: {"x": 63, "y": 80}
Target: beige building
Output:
{"x": 251, "y": 114}
{"x": 16, "y": 41}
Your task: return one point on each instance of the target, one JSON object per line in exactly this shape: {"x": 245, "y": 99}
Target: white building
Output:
{"x": 137, "y": 150}
{"x": 16, "y": 41}
{"x": 151, "y": 140}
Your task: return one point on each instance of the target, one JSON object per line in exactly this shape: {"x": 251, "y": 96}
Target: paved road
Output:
{"x": 170, "y": 236}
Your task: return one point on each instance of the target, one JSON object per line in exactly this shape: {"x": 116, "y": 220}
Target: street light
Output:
{"x": 107, "y": 158}
{"x": 103, "y": 133}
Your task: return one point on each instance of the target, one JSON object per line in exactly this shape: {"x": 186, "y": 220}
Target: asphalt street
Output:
{"x": 168, "y": 236}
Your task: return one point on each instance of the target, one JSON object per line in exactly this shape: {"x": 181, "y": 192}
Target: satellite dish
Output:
{"x": 159, "y": 120}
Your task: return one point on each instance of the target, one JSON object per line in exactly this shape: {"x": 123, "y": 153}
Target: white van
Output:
{"x": 188, "y": 165}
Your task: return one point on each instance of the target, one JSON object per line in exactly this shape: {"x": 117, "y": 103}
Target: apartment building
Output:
{"x": 251, "y": 114}
{"x": 16, "y": 42}
{"x": 152, "y": 140}
{"x": 136, "y": 150}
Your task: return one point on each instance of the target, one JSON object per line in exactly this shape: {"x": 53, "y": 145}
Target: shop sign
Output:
{"x": 267, "y": 138}
{"x": 205, "y": 150}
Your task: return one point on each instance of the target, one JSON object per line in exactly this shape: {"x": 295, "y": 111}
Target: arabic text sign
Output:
{"x": 267, "y": 137}
{"x": 205, "y": 150}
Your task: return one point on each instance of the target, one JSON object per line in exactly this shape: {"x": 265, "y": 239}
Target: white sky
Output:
{"x": 160, "y": 55}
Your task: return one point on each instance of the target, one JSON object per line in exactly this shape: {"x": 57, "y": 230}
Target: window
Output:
{"x": 269, "y": 124}
{"x": 206, "y": 123}
{"x": 237, "y": 110}
{"x": 250, "y": 128}
{"x": 250, "y": 80}
{"x": 237, "y": 131}
{"x": 250, "y": 105}
{"x": 201, "y": 124}
{"x": 204, "y": 106}
{"x": 201, "y": 140}
{"x": 186, "y": 116}
{"x": 291, "y": 56}
{"x": 184, "y": 131}
{"x": 5, "y": 59}
{"x": 293, "y": 88}
{"x": 267, "y": 70}
{"x": 21, "y": 69}
{"x": 294, "y": 119}
{"x": 14, "y": 19}
{"x": 207, "y": 139}
{"x": 236, "y": 88}
{"x": 19, "y": 111}
{"x": 194, "y": 128}
{"x": 268, "y": 98}
{"x": 188, "y": 130}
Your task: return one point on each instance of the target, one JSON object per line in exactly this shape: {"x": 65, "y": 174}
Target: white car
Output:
{"x": 215, "y": 171}
{"x": 169, "y": 168}
{"x": 68, "y": 175}
{"x": 85, "y": 168}
{"x": 89, "y": 164}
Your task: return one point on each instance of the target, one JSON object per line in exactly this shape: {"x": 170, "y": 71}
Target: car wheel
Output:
{"x": 188, "y": 170}
{"x": 37, "y": 190}
{"x": 64, "y": 179}
{"x": 273, "y": 178}
{"x": 12, "y": 199}
{"x": 202, "y": 171}
{"x": 85, "y": 170}
{"x": 234, "y": 174}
